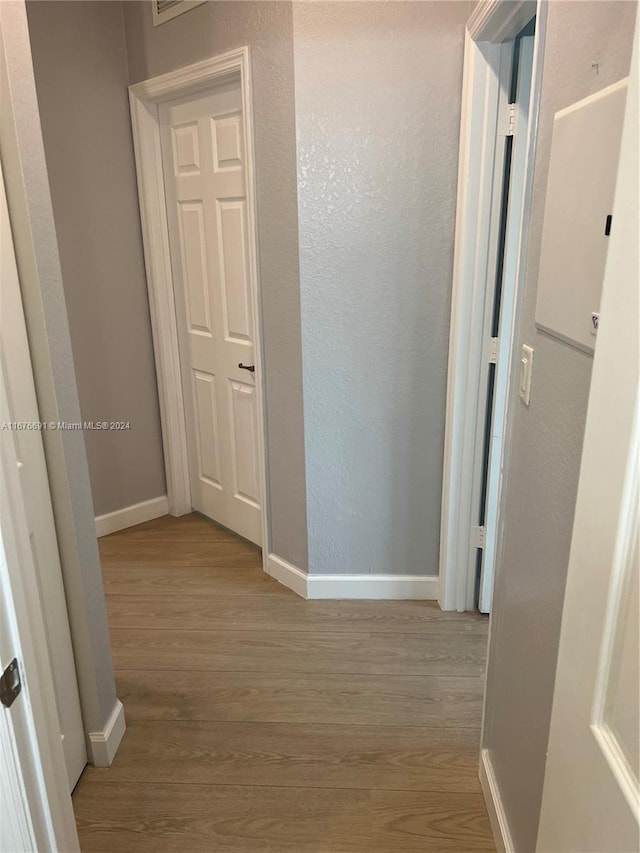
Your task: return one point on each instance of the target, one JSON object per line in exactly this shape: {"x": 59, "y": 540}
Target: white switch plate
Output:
{"x": 526, "y": 368}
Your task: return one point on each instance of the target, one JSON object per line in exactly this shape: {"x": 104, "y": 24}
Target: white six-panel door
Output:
{"x": 205, "y": 185}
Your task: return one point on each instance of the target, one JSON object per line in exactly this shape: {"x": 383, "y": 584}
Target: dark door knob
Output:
{"x": 250, "y": 367}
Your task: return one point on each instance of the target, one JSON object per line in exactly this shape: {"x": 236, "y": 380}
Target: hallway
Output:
{"x": 261, "y": 723}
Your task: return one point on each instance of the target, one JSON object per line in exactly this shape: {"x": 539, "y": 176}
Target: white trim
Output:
{"x": 497, "y": 21}
{"x": 103, "y": 745}
{"x": 287, "y": 574}
{"x": 381, "y": 587}
{"x": 197, "y": 77}
{"x": 480, "y": 115}
{"x": 168, "y": 14}
{"x": 475, "y": 227}
{"x": 155, "y": 241}
{"x": 131, "y": 515}
{"x": 388, "y": 587}
{"x": 495, "y": 807}
{"x": 144, "y": 98}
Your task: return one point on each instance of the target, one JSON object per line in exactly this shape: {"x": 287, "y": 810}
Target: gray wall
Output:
{"x": 377, "y": 157}
{"x": 44, "y": 304}
{"x": 545, "y": 453}
{"x": 80, "y": 66}
{"x": 266, "y": 28}
{"x": 378, "y": 90}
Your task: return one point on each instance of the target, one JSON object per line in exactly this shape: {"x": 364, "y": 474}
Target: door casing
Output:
{"x": 493, "y": 23}
{"x": 144, "y": 98}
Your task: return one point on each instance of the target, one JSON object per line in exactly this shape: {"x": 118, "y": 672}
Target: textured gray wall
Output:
{"x": 266, "y": 28}
{"x": 80, "y": 66}
{"x": 378, "y": 90}
{"x": 545, "y": 452}
{"x": 49, "y": 342}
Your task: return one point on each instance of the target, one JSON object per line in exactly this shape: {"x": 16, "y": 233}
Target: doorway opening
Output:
{"x": 501, "y": 91}
{"x": 193, "y": 144}
{"x": 509, "y": 183}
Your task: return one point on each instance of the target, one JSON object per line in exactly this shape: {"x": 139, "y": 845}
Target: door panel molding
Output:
{"x": 144, "y": 98}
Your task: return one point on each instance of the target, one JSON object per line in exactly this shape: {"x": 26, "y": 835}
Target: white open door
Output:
{"x": 21, "y": 409}
{"x": 35, "y": 804}
{"x": 16, "y": 824}
{"x": 591, "y": 798}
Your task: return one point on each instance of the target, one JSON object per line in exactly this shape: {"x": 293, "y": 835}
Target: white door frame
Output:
{"x": 144, "y": 98}
{"x": 493, "y": 23}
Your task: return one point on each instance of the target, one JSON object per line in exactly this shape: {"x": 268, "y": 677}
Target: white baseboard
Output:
{"x": 493, "y": 800}
{"x": 287, "y": 574}
{"x": 104, "y": 745}
{"x": 130, "y": 515}
{"x": 424, "y": 587}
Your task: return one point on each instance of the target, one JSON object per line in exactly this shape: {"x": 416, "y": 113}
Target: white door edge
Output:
{"x": 144, "y": 98}
{"x": 31, "y": 728}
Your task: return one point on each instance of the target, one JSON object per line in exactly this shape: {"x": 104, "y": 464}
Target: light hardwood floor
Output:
{"x": 261, "y": 723}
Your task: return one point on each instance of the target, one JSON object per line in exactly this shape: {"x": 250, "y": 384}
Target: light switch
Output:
{"x": 526, "y": 368}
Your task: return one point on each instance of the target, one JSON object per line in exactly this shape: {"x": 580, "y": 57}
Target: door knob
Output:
{"x": 250, "y": 367}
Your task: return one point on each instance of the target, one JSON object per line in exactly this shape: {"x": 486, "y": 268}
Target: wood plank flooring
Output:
{"x": 261, "y": 723}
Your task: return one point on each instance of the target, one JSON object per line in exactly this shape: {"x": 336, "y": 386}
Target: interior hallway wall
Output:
{"x": 267, "y": 29}
{"x": 545, "y": 451}
{"x": 80, "y": 66}
{"x": 378, "y": 91}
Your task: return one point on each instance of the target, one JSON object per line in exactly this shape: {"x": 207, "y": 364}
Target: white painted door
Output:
{"x": 35, "y": 806}
{"x": 16, "y": 825}
{"x": 205, "y": 176}
{"x": 591, "y": 797}
{"x": 22, "y": 407}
